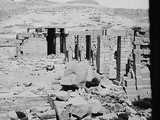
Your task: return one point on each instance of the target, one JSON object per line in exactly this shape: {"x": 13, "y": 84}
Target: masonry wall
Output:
{"x": 126, "y": 49}
{"x": 142, "y": 41}
{"x": 70, "y": 40}
{"x": 34, "y": 47}
{"x": 7, "y": 51}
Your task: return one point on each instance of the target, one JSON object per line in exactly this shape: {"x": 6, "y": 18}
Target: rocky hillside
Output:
{"x": 17, "y": 16}
{"x": 9, "y": 8}
{"x": 83, "y": 2}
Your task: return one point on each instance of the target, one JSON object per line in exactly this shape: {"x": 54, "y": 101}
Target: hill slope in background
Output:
{"x": 9, "y": 8}
{"x": 17, "y": 16}
{"x": 89, "y": 2}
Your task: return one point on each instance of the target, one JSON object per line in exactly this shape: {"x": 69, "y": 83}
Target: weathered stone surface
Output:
{"x": 123, "y": 116}
{"x": 94, "y": 82}
{"x": 135, "y": 117}
{"x": 73, "y": 94}
{"x": 60, "y": 104}
{"x": 69, "y": 80}
{"x": 47, "y": 115}
{"x": 106, "y": 83}
{"x": 27, "y": 84}
{"x": 96, "y": 106}
{"x": 17, "y": 90}
{"x": 12, "y": 115}
{"x": 130, "y": 110}
{"x": 103, "y": 91}
{"x": 50, "y": 67}
{"x": 77, "y": 101}
{"x": 56, "y": 87}
{"x": 79, "y": 111}
{"x": 110, "y": 116}
{"x": 91, "y": 74}
{"x": 78, "y": 69}
{"x": 21, "y": 115}
{"x": 117, "y": 107}
{"x": 62, "y": 95}
{"x": 27, "y": 93}
{"x": 40, "y": 109}
{"x": 128, "y": 102}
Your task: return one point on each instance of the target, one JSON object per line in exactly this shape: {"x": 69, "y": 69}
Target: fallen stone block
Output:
{"x": 143, "y": 103}
{"x": 73, "y": 94}
{"x": 123, "y": 116}
{"x": 106, "y": 83}
{"x": 27, "y": 84}
{"x": 93, "y": 83}
{"x": 110, "y": 116}
{"x": 130, "y": 110}
{"x": 60, "y": 106}
{"x": 96, "y": 106}
{"x": 69, "y": 80}
{"x": 56, "y": 86}
{"x": 69, "y": 87}
{"x": 79, "y": 112}
{"x": 103, "y": 91}
{"x": 12, "y": 115}
{"x": 47, "y": 115}
{"x": 79, "y": 69}
{"x": 40, "y": 109}
{"x": 77, "y": 101}
{"x": 76, "y": 107}
{"x": 117, "y": 107}
{"x": 134, "y": 117}
{"x": 21, "y": 115}
{"x": 128, "y": 102}
{"x": 62, "y": 95}
{"x": 50, "y": 67}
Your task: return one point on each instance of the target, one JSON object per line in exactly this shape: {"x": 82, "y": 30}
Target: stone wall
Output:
{"x": 34, "y": 47}
{"x": 70, "y": 40}
{"x": 108, "y": 46}
{"x": 7, "y": 51}
{"x": 142, "y": 41}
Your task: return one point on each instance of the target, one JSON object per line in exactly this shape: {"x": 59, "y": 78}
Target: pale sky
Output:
{"x": 144, "y": 4}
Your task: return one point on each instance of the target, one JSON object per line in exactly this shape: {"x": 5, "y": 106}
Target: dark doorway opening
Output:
{"x": 51, "y": 41}
{"x": 62, "y": 41}
{"x": 98, "y": 54}
{"x": 76, "y": 46}
{"x": 88, "y": 47}
{"x": 118, "y": 58}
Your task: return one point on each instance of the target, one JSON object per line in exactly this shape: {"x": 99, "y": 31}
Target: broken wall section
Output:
{"x": 33, "y": 47}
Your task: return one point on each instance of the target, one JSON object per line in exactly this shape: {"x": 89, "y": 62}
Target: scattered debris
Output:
{"x": 27, "y": 84}
{"x": 50, "y": 67}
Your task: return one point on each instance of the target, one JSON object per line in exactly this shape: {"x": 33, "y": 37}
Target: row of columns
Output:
{"x": 57, "y": 44}
{"x": 56, "y": 41}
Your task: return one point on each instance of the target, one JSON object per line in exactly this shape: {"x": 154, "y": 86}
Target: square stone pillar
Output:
{"x": 57, "y": 45}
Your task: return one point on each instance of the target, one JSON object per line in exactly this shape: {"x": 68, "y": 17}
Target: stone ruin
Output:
{"x": 115, "y": 53}
{"x": 120, "y": 75}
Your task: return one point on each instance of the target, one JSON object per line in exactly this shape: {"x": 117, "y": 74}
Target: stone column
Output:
{"x": 118, "y": 58}
{"x": 58, "y": 45}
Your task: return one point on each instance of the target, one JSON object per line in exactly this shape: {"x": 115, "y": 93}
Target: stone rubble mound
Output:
{"x": 79, "y": 93}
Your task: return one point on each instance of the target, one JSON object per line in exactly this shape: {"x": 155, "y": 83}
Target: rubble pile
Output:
{"x": 96, "y": 103}
{"x": 74, "y": 91}
{"x": 102, "y": 101}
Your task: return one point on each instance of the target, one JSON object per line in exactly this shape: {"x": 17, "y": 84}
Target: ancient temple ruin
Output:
{"x": 112, "y": 51}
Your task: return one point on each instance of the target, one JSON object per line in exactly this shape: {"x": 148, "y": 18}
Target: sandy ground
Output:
{"x": 25, "y": 83}
{"x": 27, "y": 70}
